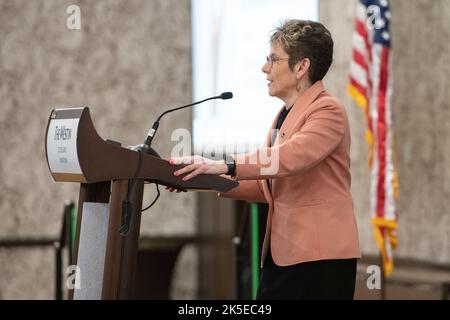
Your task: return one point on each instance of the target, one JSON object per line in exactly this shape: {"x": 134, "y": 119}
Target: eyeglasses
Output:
{"x": 272, "y": 58}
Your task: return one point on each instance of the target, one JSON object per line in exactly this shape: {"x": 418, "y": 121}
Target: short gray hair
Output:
{"x": 306, "y": 39}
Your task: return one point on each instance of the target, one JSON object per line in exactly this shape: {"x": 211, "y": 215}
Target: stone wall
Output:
{"x": 421, "y": 113}
{"x": 128, "y": 62}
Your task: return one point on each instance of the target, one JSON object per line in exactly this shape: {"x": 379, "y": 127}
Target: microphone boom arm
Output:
{"x": 152, "y": 131}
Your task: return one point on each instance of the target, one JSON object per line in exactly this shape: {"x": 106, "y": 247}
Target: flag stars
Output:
{"x": 384, "y": 3}
{"x": 387, "y": 14}
{"x": 385, "y": 35}
{"x": 380, "y": 23}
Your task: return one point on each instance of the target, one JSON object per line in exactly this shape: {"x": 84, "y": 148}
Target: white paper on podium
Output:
{"x": 92, "y": 250}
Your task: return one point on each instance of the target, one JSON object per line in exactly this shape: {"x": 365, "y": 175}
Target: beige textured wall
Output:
{"x": 421, "y": 42}
{"x": 128, "y": 62}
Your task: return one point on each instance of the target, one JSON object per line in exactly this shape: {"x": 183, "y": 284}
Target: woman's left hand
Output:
{"x": 198, "y": 165}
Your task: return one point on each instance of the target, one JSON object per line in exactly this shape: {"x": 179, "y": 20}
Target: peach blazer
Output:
{"x": 310, "y": 206}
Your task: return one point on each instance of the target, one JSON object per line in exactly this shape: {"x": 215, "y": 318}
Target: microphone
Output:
{"x": 226, "y": 95}
{"x": 151, "y": 133}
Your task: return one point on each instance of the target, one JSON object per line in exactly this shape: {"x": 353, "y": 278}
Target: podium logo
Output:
{"x": 374, "y": 280}
{"x": 73, "y": 21}
{"x": 63, "y": 133}
{"x": 74, "y": 279}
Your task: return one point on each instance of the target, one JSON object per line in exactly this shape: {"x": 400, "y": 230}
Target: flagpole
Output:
{"x": 383, "y": 280}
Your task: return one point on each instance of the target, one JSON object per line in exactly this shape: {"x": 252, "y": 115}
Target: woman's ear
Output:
{"x": 302, "y": 67}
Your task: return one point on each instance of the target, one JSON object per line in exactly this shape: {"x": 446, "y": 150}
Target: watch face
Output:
{"x": 229, "y": 160}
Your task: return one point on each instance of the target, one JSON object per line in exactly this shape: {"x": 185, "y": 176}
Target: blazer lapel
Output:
{"x": 265, "y": 182}
{"x": 269, "y": 134}
{"x": 298, "y": 108}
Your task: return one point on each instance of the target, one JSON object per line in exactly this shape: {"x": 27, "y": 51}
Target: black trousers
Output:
{"x": 315, "y": 280}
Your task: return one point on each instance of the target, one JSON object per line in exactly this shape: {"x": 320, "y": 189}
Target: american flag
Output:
{"x": 371, "y": 87}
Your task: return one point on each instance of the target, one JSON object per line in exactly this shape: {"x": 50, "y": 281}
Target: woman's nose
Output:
{"x": 265, "y": 68}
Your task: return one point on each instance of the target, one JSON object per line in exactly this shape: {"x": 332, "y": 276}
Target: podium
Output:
{"x": 110, "y": 200}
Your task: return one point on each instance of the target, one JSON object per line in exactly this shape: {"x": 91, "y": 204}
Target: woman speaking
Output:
{"x": 311, "y": 242}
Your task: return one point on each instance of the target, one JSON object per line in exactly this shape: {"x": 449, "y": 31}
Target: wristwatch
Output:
{"x": 231, "y": 164}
